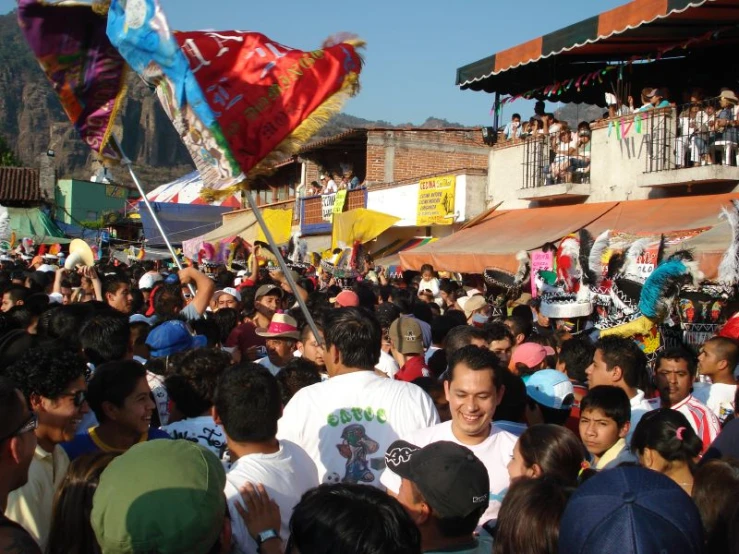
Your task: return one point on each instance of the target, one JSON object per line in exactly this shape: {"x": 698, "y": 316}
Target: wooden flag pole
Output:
{"x": 283, "y": 266}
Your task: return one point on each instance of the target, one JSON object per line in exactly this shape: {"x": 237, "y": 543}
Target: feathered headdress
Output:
{"x": 631, "y": 263}
{"x": 595, "y": 259}
{"x": 728, "y": 269}
{"x": 569, "y": 272}
{"x": 589, "y": 276}
{"x": 503, "y": 285}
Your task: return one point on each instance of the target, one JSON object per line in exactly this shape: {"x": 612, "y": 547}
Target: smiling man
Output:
{"x": 53, "y": 383}
{"x": 119, "y": 395}
{"x": 675, "y": 371}
{"x": 474, "y": 390}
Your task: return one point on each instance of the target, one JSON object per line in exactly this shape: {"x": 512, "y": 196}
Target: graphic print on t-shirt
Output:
{"x": 355, "y": 447}
{"x": 355, "y": 443}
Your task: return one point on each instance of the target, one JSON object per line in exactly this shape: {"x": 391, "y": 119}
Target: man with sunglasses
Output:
{"x": 53, "y": 384}
{"x": 17, "y": 443}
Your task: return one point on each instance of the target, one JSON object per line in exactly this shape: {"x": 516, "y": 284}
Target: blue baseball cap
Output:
{"x": 551, "y": 388}
{"x": 171, "y": 337}
{"x": 630, "y": 510}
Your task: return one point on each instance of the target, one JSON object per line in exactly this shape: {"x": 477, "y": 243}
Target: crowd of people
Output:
{"x": 145, "y": 410}
{"x": 331, "y": 182}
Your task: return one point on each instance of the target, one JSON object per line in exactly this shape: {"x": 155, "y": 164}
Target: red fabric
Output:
{"x": 573, "y": 422}
{"x": 260, "y": 90}
{"x": 244, "y": 337}
{"x": 247, "y": 283}
{"x": 414, "y": 368}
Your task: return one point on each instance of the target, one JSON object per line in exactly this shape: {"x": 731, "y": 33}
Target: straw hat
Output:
{"x": 282, "y": 326}
{"x": 729, "y": 95}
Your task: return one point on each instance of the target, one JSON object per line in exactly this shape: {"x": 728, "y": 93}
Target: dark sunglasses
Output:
{"x": 78, "y": 398}
{"x": 29, "y": 425}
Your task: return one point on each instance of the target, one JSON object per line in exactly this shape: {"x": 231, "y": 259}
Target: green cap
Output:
{"x": 163, "y": 496}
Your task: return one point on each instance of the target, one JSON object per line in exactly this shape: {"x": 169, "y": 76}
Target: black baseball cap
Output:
{"x": 450, "y": 477}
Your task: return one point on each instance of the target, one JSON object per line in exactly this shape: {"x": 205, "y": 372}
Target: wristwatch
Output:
{"x": 267, "y": 535}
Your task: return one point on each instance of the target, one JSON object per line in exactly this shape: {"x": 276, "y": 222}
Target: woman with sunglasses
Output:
{"x": 53, "y": 384}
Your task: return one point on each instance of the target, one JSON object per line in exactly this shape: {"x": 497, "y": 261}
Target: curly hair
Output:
{"x": 46, "y": 372}
{"x": 193, "y": 380}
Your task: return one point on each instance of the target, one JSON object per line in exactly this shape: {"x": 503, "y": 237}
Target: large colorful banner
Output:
{"x": 240, "y": 100}
{"x": 436, "y": 201}
{"x": 69, "y": 40}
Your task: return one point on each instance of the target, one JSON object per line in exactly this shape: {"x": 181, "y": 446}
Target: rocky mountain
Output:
{"x": 32, "y": 121}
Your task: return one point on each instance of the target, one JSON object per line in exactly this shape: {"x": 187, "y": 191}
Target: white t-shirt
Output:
{"x": 330, "y": 187}
{"x": 387, "y": 364}
{"x": 273, "y": 369}
{"x": 719, "y": 397}
{"x": 494, "y": 452}
{"x": 286, "y": 475}
{"x": 202, "y": 430}
{"x": 432, "y": 285}
{"x": 346, "y": 424}
{"x": 639, "y": 406}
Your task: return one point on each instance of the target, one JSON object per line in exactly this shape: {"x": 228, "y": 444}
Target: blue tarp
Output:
{"x": 180, "y": 221}
{"x": 77, "y": 232}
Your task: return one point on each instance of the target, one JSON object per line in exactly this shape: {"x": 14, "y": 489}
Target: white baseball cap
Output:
{"x": 228, "y": 290}
{"x": 148, "y": 280}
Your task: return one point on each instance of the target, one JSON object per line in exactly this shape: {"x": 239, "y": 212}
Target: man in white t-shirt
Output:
{"x": 619, "y": 362}
{"x": 247, "y": 405}
{"x": 717, "y": 359}
{"x": 347, "y": 423}
{"x": 473, "y": 390}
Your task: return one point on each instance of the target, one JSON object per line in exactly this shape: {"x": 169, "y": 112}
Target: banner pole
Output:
{"x": 283, "y": 266}
{"x": 125, "y": 160}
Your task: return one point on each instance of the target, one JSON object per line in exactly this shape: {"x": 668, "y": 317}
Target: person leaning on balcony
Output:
{"x": 727, "y": 119}
{"x": 581, "y": 160}
{"x": 693, "y": 124}
{"x": 513, "y": 129}
{"x": 329, "y": 185}
{"x": 565, "y": 148}
{"x": 657, "y": 98}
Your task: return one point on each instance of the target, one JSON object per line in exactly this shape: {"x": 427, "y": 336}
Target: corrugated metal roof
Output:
{"x": 19, "y": 184}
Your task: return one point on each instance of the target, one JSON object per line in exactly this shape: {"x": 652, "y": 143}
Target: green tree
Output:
{"x": 7, "y": 158}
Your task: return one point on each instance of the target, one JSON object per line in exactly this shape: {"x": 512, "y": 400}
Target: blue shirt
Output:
{"x": 89, "y": 441}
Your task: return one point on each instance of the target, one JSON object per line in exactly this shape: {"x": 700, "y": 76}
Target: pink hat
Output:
{"x": 530, "y": 354}
{"x": 282, "y": 326}
{"x": 346, "y": 299}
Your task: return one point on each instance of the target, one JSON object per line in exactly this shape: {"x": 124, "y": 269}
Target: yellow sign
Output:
{"x": 436, "y": 201}
{"x": 340, "y": 201}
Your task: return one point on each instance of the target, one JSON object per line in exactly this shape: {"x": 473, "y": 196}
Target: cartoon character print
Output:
{"x": 355, "y": 447}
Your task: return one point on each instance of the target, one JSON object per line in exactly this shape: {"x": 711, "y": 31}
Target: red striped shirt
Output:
{"x": 701, "y": 418}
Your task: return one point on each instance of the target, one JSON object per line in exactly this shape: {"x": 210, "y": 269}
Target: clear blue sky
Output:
{"x": 413, "y": 46}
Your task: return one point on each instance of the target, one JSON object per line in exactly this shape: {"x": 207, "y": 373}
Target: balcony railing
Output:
{"x": 316, "y": 212}
{"x": 695, "y": 134}
{"x": 543, "y": 166}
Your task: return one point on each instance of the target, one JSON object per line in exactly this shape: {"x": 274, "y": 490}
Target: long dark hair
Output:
{"x": 668, "y": 432}
{"x": 555, "y": 449}
{"x": 529, "y": 517}
{"x": 71, "y": 531}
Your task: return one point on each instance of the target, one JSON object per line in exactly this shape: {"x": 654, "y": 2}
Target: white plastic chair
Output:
{"x": 728, "y": 148}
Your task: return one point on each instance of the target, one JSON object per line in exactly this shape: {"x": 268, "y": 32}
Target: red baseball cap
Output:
{"x": 345, "y": 299}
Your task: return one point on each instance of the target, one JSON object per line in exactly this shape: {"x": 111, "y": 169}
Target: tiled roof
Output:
{"x": 19, "y": 184}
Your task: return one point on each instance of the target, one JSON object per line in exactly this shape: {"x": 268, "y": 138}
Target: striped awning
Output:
{"x": 637, "y": 30}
